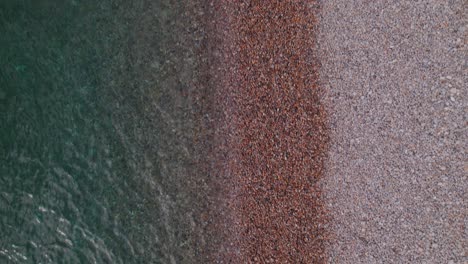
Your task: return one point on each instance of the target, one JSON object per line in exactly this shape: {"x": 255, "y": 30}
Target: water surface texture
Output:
{"x": 96, "y": 130}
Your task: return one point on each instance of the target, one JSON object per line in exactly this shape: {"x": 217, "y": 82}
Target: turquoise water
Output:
{"x": 96, "y": 132}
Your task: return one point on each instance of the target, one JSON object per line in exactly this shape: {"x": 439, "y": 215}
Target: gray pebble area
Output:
{"x": 395, "y": 79}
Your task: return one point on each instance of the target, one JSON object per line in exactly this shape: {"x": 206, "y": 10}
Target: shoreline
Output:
{"x": 276, "y": 132}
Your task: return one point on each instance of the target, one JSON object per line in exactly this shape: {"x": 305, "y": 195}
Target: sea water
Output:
{"x": 95, "y": 132}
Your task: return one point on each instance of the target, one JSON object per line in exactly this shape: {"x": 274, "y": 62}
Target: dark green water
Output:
{"x": 95, "y": 132}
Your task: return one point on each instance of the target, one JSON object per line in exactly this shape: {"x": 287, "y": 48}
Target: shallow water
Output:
{"x": 96, "y": 133}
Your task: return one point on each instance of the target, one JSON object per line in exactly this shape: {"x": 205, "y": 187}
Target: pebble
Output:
{"x": 454, "y": 91}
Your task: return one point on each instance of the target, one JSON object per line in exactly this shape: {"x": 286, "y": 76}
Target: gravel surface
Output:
{"x": 395, "y": 74}
{"x": 278, "y": 140}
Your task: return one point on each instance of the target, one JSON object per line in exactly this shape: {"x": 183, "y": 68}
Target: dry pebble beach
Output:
{"x": 396, "y": 178}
